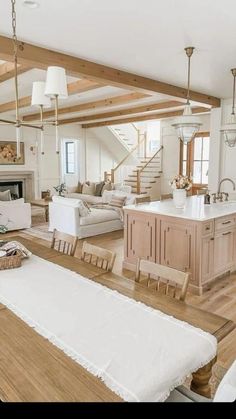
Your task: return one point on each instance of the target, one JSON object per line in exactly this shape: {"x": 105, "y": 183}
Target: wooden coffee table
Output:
{"x": 42, "y": 204}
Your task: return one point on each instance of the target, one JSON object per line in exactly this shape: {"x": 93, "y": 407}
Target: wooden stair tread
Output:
{"x": 134, "y": 181}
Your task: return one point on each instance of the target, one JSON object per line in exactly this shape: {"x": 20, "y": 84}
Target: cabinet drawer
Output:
{"x": 207, "y": 228}
{"x": 224, "y": 222}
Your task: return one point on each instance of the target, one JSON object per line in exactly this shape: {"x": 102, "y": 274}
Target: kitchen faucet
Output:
{"x": 220, "y": 194}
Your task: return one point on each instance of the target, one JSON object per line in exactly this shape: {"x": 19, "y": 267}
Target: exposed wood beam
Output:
{"x": 7, "y": 71}
{"x": 160, "y": 115}
{"x": 78, "y": 86}
{"x": 38, "y": 57}
{"x": 81, "y": 86}
{"x": 123, "y": 112}
{"x": 112, "y": 101}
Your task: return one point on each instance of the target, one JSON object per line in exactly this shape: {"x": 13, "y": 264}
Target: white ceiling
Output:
{"x": 142, "y": 36}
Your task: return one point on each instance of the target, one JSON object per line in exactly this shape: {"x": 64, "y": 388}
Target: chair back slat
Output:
{"x": 64, "y": 243}
{"x": 98, "y": 256}
{"x": 142, "y": 199}
{"x": 168, "y": 276}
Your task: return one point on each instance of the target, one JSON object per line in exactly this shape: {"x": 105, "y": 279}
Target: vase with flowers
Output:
{"x": 180, "y": 184}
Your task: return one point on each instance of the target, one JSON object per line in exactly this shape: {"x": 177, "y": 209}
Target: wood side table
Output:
{"x": 42, "y": 204}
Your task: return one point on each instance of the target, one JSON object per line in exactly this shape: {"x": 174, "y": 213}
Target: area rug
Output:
{"x": 105, "y": 331}
{"x": 40, "y": 231}
{"x": 39, "y": 227}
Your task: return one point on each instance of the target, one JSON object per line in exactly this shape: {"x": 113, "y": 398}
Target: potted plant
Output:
{"x": 180, "y": 184}
{"x": 60, "y": 188}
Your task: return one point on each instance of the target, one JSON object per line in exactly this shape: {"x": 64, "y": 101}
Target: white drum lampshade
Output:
{"x": 56, "y": 83}
{"x": 38, "y": 95}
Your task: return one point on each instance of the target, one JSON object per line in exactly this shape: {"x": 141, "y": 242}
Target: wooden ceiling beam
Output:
{"x": 79, "y": 86}
{"x": 38, "y": 57}
{"x": 123, "y": 112}
{"x": 7, "y": 71}
{"x": 160, "y": 115}
{"x": 112, "y": 101}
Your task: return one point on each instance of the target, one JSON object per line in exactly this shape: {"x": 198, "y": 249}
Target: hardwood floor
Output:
{"x": 220, "y": 298}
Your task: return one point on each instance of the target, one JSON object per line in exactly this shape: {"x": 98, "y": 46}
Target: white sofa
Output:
{"x": 65, "y": 216}
{"x": 92, "y": 199}
{"x": 15, "y": 214}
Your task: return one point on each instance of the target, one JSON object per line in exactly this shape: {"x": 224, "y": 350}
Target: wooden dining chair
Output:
{"x": 98, "y": 256}
{"x": 165, "y": 279}
{"x": 64, "y": 243}
{"x": 141, "y": 199}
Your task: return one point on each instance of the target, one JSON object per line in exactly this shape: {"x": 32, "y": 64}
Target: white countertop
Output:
{"x": 195, "y": 209}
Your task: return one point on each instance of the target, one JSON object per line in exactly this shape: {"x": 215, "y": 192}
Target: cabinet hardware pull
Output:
{"x": 226, "y": 222}
{"x": 212, "y": 238}
{"x": 207, "y": 228}
{"x": 226, "y": 234}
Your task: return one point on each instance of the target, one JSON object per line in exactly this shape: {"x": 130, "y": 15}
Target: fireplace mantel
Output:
{"x": 27, "y": 177}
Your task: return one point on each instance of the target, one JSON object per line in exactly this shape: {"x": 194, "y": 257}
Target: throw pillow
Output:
{"x": 118, "y": 201}
{"x": 88, "y": 189}
{"x": 87, "y": 206}
{"x": 5, "y": 196}
{"x": 98, "y": 188}
{"x": 83, "y": 209}
{"x": 71, "y": 189}
{"x": 106, "y": 196}
{"x": 106, "y": 187}
{"x": 79, "y": 187}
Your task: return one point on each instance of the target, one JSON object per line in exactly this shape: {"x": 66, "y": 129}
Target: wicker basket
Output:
{"x": 10, "y": 262}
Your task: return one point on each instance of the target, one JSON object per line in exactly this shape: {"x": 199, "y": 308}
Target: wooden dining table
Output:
{"x": 33, "y": 369}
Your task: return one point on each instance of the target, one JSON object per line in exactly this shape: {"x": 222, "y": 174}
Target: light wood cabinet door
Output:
{"x": 207, "y": 259}
{"x": 177, "y": 246}
{"x": 141, "y": 238}
{"x": 223, "y": 251}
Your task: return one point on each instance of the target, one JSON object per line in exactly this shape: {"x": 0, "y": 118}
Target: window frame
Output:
{"x": 190, "y": 159}
{"x": 67, "y": 172}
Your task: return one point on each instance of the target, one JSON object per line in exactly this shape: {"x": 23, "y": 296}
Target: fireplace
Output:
{"x": 15, "y": 187}
{"x": 20, "y": 183}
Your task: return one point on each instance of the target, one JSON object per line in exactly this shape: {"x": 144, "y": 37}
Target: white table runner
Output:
{"x": 140, "y": 353}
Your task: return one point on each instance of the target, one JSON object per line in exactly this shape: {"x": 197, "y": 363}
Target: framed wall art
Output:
{"x": 8, "y": 155}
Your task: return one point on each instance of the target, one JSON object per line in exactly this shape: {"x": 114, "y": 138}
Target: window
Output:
{"x": 70, "y": 157}
{"x": 194, "y": 159}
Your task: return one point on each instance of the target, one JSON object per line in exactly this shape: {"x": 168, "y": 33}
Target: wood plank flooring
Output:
{"x": 220, "y": 298}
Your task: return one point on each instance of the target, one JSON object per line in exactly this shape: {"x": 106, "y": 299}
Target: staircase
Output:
{"x": 127, "y": 134}
{"x": 145, "y": 179}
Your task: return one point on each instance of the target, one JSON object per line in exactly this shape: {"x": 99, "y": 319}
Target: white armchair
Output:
{"x": 15, "y": 215}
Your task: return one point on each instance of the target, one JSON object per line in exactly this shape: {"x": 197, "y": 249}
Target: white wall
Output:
{"x": 171, "y": 150}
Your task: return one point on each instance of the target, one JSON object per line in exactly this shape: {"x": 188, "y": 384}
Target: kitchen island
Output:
{"x": 200, "y": 239}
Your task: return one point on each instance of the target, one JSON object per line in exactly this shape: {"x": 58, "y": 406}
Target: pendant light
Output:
{"x": 56, "y": 88}
{"x": 229, "y": 130}
{"x": 18, "y": 123}
{"x": 40, "y": 100}
{"x": 188, "y": 124}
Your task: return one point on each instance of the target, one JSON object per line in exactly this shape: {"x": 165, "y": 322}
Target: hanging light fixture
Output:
{"x": 40, "y": 100}
{"x": 229, "y": 130}
{"x": 55, "y": 88}
{"x": 187, "y": 125}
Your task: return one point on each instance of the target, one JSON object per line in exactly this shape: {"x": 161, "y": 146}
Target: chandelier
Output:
{"x": 229, "y": 130}
{"x": 54, "y": 88}
{"x": 187, "y": 125}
